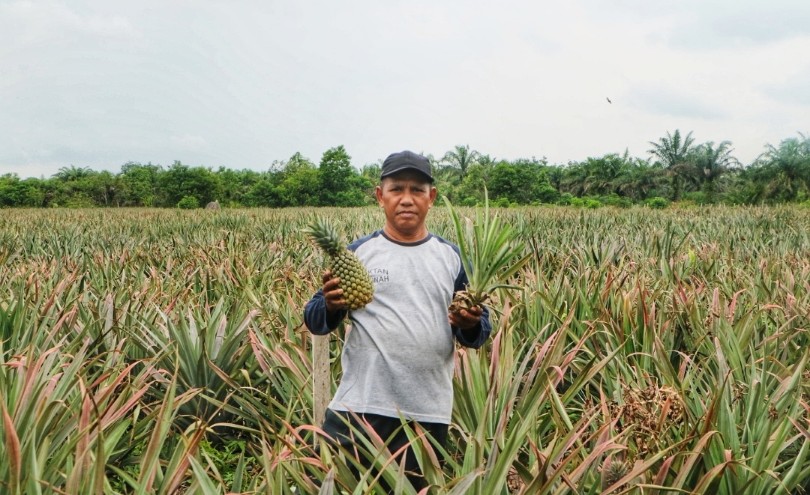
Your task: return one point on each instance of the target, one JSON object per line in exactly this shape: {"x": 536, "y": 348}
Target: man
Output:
{"x": 398, "y": 357}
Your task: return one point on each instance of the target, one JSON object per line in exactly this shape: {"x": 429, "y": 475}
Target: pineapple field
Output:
{"x": 633, "y": 351}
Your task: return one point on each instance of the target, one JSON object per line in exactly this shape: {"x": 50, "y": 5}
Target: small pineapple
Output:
{"x": 612, "y": 471}
{"x": 490, "y": 254}
{"x": 354, "y": 279}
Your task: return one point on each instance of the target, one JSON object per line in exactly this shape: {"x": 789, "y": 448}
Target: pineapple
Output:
{"x": 612, "y": 471}
{"x": 489, "y": 252}
{"x": 354, "y": 278}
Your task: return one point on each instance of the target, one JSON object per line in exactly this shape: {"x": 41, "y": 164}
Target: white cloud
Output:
{"x": 699, "y": 25}
{"x": 793, "y": 89}
{"x": 41, "y": 21}
{"x": 661, "y": 100}
{"x": 745, "y": 24}
{"x": 188, "y": 142}
{"x": 240, "y": 85}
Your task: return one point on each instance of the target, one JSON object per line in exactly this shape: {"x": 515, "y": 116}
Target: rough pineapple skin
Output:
{"x": 358, "y": 289}
{"x": 354, "y": 279}
{"x": 612, "y": 471}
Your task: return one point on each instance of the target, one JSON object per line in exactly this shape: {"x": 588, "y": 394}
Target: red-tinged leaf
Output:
{"x": 180, "y": 473}
{"x": 258, "y": 351}
{"x": 799, "y": 427}
{"x": 80, "y": 469}
{"x": 696, "y": 453}
{"x": 112, "y": 387}
{"x": 12, "y": 449}
{"x": 30, "y": 380}
{"x": 662, "y": 472}
{"x": 110, "y": 415}
{"x": 707, "y": 479}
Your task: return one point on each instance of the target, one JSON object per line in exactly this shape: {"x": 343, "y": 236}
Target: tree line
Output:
{"x": 677, "y": 169}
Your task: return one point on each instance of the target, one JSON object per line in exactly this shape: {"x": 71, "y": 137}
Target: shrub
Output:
{"x": 188, "y": 203}
{"x": 79, "y": 200}
{"x": 658, "y": 203}
{"x": 565, "y": 199}
{"x": 592, "y": 203}
{"x": 547, "y": 194}
{"x": 616, "y": 200}
{"x": 697, "y": 197}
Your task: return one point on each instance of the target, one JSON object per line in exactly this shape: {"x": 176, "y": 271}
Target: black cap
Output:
{"x": 406, "y": 160}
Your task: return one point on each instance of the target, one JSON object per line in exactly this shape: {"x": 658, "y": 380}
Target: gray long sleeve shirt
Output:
{"x": 398, "y": 356}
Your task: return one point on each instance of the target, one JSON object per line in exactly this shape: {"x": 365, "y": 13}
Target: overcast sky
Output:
{"x": 242, "y": 84}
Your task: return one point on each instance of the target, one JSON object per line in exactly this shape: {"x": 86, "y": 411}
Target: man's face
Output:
{"x": 406, "y": 198}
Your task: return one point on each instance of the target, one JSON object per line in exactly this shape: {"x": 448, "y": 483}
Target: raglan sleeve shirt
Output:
{"x": 398, "y": 357}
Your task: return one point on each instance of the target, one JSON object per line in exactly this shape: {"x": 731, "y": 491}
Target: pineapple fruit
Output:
{"x": 612, "y": 471}
{"x": 354, "y": 278}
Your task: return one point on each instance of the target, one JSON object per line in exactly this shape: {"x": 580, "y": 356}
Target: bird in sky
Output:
{"x": 608, "y": 99}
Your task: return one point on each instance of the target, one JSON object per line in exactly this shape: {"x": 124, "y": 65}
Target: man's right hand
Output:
{"x": 332, "y": 293}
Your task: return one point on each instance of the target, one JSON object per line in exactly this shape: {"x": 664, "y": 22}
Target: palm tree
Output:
{"x": 461, "y": 158}
{"x": 712, "y": 163}
{"x": 604, "y": 174}
{"x": 674, "y": 153}
{"x": 641, "y": 179}
{"x": 574, "y": 175}
{"x": 785, "y": 169}
{"x": 72, "y": 173}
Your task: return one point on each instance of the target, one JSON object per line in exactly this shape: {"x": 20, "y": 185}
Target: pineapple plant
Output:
{"x": 613, "y": 470}
{"x": 355, "y": 281}
{"x": 489, "y": 252}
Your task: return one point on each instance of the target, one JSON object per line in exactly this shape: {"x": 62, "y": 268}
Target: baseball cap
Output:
{"x": 406, "y": 160}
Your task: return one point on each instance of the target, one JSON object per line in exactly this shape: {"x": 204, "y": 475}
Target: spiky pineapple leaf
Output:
{"x": 490, "y": 252}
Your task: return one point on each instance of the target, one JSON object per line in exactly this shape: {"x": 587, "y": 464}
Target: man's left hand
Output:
{"x": 466, "y": 318}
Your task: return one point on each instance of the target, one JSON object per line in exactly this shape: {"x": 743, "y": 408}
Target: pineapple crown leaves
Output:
{"x": 489, "y": 252}
{"x": 325, "y": 235}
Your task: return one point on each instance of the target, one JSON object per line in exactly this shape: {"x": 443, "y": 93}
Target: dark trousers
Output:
{"x": 389, "y": 429}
